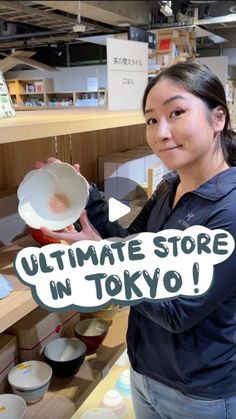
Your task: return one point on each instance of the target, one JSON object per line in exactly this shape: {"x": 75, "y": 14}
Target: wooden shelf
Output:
{"x": 94, "y": 399}
{"x": 19, "y": 302}
{"x": 19, "y": 90}
{"x": 65, "y": 395}
{"x": 40, "y": 124}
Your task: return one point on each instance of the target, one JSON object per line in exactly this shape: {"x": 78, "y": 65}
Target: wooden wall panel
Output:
{"x": 16, "y": 159}
{"x": 86, "y": 147}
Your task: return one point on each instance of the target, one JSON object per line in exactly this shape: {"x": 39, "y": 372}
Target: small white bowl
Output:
{"x": 115, "y": 402}
{"x": 30, "y": 380}
{"x": 12, "y": 406}
{"x": 30, "y": 375}
{"x": 98, "y": 413}
{"x": 52, "y": 196}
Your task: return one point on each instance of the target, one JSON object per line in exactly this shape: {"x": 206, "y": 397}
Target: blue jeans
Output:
{"x": 153, "y": 400}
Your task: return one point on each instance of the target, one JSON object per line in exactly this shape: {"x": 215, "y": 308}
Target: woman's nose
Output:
{"x": 163, "y": 131}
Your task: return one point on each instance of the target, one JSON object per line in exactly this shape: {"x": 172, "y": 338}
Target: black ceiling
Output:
{"x": 43, "y": 27}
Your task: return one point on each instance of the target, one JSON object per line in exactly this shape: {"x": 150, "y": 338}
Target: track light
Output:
{"x": 165, "y": 8}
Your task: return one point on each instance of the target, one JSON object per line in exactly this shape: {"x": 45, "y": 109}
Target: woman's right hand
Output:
{"x": 38, "y": 164}
{"x": 71, "y": 235}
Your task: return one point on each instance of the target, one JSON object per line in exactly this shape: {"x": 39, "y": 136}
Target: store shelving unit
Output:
{"x": 65, "y": 395}
{"x": 40, "y": 94}
{"x": 173, "y": 45}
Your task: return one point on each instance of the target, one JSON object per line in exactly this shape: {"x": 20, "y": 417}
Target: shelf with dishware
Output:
{"x": 40, "y": 94}
{"x": 65, "y": 394}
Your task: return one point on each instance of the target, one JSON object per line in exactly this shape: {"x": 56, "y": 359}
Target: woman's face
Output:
{"x": 180, "y": 129}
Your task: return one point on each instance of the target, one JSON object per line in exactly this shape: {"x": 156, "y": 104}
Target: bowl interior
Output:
{"x": 91, "y": 327}
{"x": 52, "y": 196}
{"x": 12, "y": 406}
{"x": 65, "y": 349}
{"x": 30, "y": 375}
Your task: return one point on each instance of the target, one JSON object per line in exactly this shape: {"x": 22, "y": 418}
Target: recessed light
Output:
{"x": 123, "y": 24}
{"x": 232, "y": 9}
{"x": 203, "y": 1}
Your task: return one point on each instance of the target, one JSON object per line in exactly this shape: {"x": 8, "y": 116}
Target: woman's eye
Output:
{"x": 151, "y": 121}
{"x": 176, "y": 113}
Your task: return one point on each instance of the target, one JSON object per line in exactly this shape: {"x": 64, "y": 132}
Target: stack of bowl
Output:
{"x": 30, "y": 380}
{"x": 123, "y": 384}
{"x": 113, "y": 401}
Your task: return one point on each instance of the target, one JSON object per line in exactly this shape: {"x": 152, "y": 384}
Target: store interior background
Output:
{"x": 70, "y": 37}
{"x": 72, "y": 33}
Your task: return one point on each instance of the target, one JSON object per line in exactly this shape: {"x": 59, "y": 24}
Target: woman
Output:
{"x": 183, "y": 351}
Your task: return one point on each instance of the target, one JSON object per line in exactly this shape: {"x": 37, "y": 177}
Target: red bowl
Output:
{"x": 40, "y": 237}
{"x": 92, "y": 332}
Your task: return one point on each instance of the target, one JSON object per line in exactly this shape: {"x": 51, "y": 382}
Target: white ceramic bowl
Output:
{"x": 52, "y": 196}
{"x": 30, "y": 380}
{"x": 12, "y": 406}
{"x": 98, "y": 413}
{"x": 32, "y": 396}
{"x": 115, "y": 402}
{"x": 30, "y": 375}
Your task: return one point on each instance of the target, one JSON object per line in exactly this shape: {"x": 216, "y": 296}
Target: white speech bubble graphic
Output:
{"x": 158, "y": 266}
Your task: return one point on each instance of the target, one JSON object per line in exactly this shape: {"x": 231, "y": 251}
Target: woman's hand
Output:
{"x": 71, "y": 235}
{"x": 38, "y": 164}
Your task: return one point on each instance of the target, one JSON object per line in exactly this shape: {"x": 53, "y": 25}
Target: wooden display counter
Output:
{"x": 65, "y": 395}
{"x": 19, "y": 302}
{"x": 43, "y": 124}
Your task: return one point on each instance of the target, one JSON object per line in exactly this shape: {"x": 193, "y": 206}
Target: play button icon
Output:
{"x": 116, "y": 209}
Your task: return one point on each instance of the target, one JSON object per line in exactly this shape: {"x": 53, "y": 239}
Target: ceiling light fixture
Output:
{"x": 123, "y": 24}
{"x": 203, "y": 1}
{"x": 165, "y": 8}
{"x": 78, "y": 27}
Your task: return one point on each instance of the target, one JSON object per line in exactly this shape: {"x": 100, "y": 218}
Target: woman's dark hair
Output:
{"x": 199, "y": 80}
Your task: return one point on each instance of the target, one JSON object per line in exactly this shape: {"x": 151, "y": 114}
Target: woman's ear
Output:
{"x": 219, "y": 116}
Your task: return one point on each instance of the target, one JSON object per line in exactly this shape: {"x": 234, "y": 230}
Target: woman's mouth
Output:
{"x": 169, "y": 149}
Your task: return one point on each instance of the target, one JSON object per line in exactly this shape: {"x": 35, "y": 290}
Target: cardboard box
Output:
{"x": 8, "y": 358}
{"x": 122, "y": 178}
{"x": 40, "y": 327}
{"x": 121, "y": 174}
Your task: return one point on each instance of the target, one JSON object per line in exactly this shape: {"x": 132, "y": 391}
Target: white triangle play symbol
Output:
{"x": 116, "y": 209}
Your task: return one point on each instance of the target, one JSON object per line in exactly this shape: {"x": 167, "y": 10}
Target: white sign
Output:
{"x": 6, "y": 107}
{"x": 127, "y": 65}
